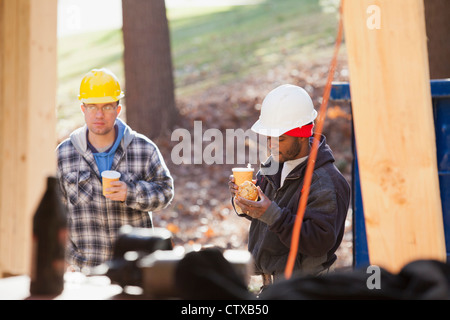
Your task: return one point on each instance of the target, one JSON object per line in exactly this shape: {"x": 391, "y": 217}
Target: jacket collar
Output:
{"x": 78, "y": 137}
{"x": 324, "y": 155}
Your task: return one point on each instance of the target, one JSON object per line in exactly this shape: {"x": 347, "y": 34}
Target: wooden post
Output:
{"x": 28, "y": 74}
{"x": 394, "y": 129}
{"x": 438, "y": 29}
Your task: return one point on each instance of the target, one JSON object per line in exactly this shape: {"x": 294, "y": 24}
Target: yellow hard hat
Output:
{"x": 100, "y": 86}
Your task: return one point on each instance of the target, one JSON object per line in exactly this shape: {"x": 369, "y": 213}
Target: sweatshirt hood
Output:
{"x": 78, "y": 137}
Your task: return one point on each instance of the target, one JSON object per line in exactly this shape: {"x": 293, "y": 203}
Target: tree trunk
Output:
{"x": 149, "y": 85}
{"x": 437, "y": 18}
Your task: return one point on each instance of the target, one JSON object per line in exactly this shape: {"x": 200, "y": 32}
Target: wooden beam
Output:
{"x": 394, "y": 129}
{"x": 27, "y": 121}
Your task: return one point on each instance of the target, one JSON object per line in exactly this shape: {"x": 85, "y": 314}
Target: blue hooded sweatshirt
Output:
{"x": 104, "y": 160}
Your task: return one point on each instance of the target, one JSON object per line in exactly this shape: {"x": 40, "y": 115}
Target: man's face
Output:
{"x": 285, "y": 148}
{"x": 100, "y": 118}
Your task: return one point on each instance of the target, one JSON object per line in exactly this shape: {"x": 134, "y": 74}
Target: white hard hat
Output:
{"x": 284, "y": 108}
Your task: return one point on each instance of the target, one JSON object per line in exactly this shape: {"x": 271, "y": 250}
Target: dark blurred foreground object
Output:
{"x": 205, "y": 276}
{"x": 49, "y": 238}
{"x": 174, "y": 274}
{"x": 132, "y": 245}
{"x": 145, "y": 240}
{"x": 209, "y": 275}
{"x": 146, "y": 258}
{"x": 418, "y": 280}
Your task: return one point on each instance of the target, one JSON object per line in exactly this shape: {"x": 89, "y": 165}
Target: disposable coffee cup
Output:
{"x": 242, "y": 174}
{"x": 109, "y": 176}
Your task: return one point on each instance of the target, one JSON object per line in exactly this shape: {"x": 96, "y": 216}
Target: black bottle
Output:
{"x": 49, "y": 240}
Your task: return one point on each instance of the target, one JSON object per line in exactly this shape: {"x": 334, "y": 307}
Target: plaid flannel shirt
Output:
{"x": 93, "y": 220}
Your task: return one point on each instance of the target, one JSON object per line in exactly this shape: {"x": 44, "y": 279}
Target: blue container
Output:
{"x": 440, "y": 93}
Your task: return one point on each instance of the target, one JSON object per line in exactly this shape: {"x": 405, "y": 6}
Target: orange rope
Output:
{"x": 312, "y": 157}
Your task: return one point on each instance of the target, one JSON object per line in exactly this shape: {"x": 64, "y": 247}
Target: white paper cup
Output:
{"x": 107, "y": 177}
{"x": 242, "y": 174}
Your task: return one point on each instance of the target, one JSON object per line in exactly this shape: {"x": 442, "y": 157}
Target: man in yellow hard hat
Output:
{"x": 106, "y": 143}
{"x": 287, "y": 119}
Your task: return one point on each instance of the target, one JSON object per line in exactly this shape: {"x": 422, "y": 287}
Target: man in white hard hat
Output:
{"x": 286, "y": 118}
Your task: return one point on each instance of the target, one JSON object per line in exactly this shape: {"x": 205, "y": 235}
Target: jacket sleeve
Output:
{"x": 156, "y": 190}
{"x": 240, "y": 214}
{"x": 63, "y": 193}
{"x": 319, "y": 226}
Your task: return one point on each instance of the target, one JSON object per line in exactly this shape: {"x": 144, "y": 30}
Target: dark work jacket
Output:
{"x": 323, "y": 222}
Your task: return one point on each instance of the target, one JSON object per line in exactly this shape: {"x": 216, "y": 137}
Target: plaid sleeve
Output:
{"x": 62, "y": 153}
{"x": 156, "y": 190}
{"x": 61, "y": 187}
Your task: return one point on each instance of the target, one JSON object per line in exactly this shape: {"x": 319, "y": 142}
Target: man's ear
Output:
{"x": 304, "y": 140}
{"x": 119, "y": 109}
{"x": 83, "y": 109}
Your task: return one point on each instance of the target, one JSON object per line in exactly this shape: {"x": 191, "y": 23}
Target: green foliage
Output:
{"x": 219, "y": 46}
